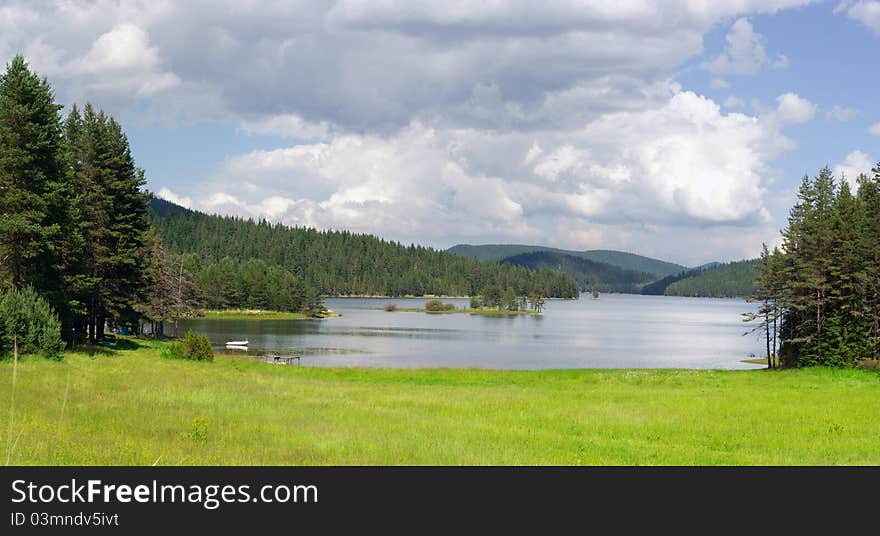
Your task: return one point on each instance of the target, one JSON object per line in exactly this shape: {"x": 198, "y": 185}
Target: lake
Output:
{"x": 617, "y": 330}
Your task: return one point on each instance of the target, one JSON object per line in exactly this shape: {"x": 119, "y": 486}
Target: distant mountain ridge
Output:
{"x": 620, "y": 259}
{"x": 589, "y": 274}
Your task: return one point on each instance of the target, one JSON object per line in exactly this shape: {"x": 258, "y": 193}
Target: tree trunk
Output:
{"x": 767, "y": 334}
{"x": 775, "y": 320}
{"x": 179, "y": 298}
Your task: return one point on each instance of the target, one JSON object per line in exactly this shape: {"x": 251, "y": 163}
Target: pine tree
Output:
{"x": 112, "y": 270}
{"x": 32, "y": 185}
{"x": 869, "y": 196}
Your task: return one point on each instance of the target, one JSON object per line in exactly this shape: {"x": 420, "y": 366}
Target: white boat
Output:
{"x": 237, "y": 343}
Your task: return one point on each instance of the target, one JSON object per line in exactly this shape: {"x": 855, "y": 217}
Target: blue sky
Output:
{"x": 676, "y": 129}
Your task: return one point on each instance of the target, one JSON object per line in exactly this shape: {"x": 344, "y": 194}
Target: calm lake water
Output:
{"x": 618, "y": 330}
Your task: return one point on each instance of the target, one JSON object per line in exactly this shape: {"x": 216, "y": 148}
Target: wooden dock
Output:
{"x": 281, "y": 359}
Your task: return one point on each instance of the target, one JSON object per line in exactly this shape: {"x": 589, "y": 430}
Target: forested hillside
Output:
{"x": 590, "y": 275}
{"x": 620, "y": 259}
{"x": 714, "y": 280}
{"x": 338, "y": 263}
{"x": 725, "y": 280}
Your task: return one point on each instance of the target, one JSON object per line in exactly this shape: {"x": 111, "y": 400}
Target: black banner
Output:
{"x": 125, "y": 499}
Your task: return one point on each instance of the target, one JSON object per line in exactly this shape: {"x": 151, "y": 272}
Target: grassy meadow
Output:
{"x": 131, "y": 406}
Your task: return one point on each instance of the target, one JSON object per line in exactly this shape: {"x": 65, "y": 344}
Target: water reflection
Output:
{"x": 615, "y": 331}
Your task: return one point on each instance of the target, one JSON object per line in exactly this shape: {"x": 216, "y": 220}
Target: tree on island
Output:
{"x": 491, "y": 296}
{"x": 537, "y": 299}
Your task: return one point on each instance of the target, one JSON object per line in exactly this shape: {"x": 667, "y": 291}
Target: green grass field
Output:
{"x": 130, "y": 406}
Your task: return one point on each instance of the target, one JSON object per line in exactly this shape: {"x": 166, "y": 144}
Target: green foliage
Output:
{"x": 112, "y": 271}
{"x": 586, "y": 273}
{"x": 475, "y": 302}
{"x": 491, "y": 296}
{"x": 199, "y": 430}
{"x": 437, "y": 306}
{"x": 26, "y": 318}
{"x": 33, "y": 192}
{"x": 193, "y": 346}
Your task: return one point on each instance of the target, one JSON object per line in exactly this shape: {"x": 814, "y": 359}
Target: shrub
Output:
{"x": 390, "y": 307}
{"x": 199, "y": 432}
{"x": 193, "y": 346}
{"x": 437, "y": 306}
{"x": 433, "y": 305}
{"x": 27, "y": 318}
{"x": 475, "y": 303}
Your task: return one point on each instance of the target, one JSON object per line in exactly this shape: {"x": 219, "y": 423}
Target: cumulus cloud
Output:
{"x": 502, "y": 120}
{"x": 792, "y": 109}
{"x": 744, "y": 52}
{"x": 684, "y": 167}
{"x": 168, "y": 195}
{"x": 854, "y": 165}
{"x": 719, "y": 83}
{"x": 364, "y": 66}
{"x": 841, "y": 113}
{"x": 865, "y": 11}
{"x": 286, "y": 126}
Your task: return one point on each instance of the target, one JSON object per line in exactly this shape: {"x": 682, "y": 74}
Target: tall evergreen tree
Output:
{"x": 825, "y": 283}
{"x": 113, "y": 269}
{"x": 32, "y": 182}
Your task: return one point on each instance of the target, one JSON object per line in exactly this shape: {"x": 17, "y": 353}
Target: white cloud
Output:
{"x": 854, "y": 165}
{"x": 286, "y": 126}
{"x": 168, "y": 195}
{"x": 683, "y": 168}
{"x": 793, "y": 109}
{"x": 865, "y": 11}
{"x": 441, "y": 121}
{"x": 841, "y": 113}
{"x": 874, "y": 129}
{"x": 744, "y": 52}
{"x": 361, "y": 65}
{"x": 719, "y": 83}
{"x": 734, "y": 102}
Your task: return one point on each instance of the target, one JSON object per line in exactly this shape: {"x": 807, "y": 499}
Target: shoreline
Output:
{"x": 479, "y": 312}
{"x": 260, "y": 314}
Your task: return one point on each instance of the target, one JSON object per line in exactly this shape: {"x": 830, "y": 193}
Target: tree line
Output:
{"x": 819, "y": 292}
{"x": 342, "y": 263}
{"x": 724, "y": 280}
